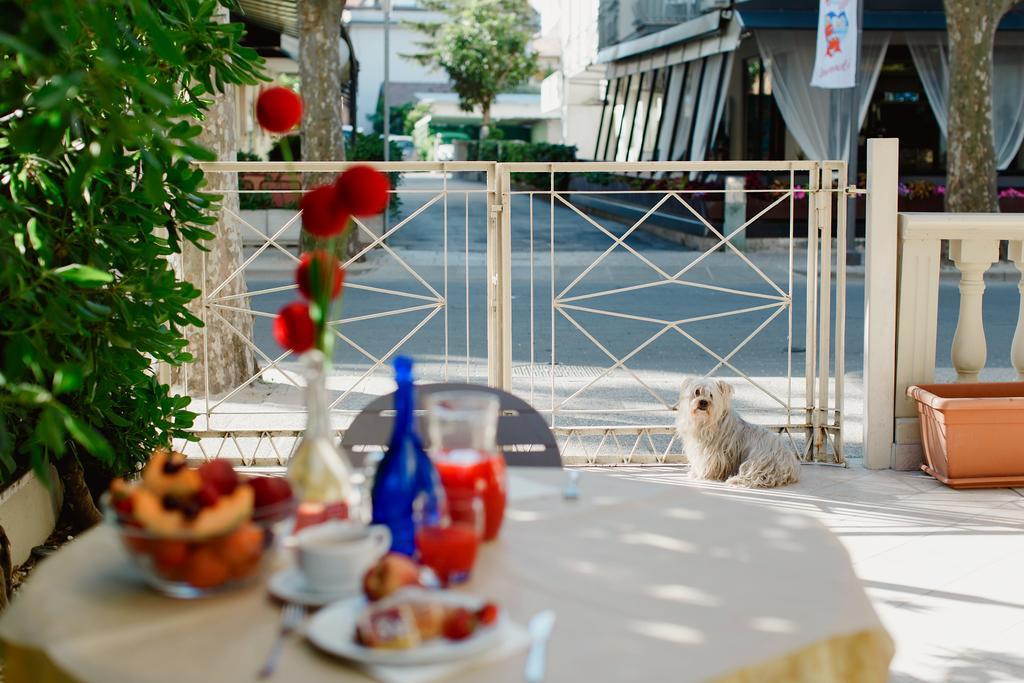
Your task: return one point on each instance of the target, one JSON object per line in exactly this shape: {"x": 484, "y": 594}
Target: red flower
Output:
{"x": 278, "y": 109}
{"x": 325, "y": 263}
{"x": 293, "y": 328}
{"x": 362, "y": 190}
{"x": 321, "y": 213}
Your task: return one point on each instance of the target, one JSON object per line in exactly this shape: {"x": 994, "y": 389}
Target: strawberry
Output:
{"x": 123, "y": 507}
{"x": 488, "y": 614}
{"x": 207, "y": 495}
{"x": 460, "y": 624}
{"x": 220, "y": 474}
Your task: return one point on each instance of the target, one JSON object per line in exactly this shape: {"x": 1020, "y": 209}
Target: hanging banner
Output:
{"x": 835, "y": 59}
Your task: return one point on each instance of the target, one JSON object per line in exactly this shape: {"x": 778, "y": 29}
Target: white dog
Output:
{"x": 722, "y": 446}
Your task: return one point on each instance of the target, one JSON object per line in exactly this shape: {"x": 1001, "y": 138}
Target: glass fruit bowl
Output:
{"x": 191, "y": 565}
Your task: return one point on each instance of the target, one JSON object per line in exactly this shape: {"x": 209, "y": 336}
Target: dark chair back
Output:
{"x": 524, "y": 438}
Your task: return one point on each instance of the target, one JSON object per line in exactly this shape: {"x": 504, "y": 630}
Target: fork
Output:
{"x": 291, "y": 617}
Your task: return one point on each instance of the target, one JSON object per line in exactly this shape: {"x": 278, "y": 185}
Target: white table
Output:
{"x": 650, "y": 583}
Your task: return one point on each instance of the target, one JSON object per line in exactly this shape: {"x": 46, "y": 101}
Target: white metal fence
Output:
{"x": 545, "y": 279}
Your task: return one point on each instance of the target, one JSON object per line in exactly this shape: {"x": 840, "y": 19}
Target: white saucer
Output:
{"x": 289, "y": 585}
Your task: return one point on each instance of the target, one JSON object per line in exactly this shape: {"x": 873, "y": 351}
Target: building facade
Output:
{"x": 703, "y": 79}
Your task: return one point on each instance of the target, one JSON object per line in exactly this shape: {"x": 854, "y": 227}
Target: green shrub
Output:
{"x": 364, "y": 148}
{"x": 255, "y": 201}
{"x": 513, "y": 151}
{"x": 97, "y": 139}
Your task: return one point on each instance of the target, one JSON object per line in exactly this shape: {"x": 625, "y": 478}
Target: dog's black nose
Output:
{"x": 702, "y": 404}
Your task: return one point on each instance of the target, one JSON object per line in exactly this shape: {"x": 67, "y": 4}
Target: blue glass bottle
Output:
{"x": 406, "y": 481}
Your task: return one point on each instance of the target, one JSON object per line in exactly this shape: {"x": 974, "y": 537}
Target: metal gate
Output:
{"x": 542, "y": 281}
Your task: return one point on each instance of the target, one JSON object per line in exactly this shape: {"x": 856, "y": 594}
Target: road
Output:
{"x": 544, "y": 267}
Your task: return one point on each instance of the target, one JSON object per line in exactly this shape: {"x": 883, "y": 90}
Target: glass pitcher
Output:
{"x": 463, "y": 427}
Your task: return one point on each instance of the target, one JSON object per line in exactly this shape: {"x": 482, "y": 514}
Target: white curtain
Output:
{"x": 810, "y": 113}
{"x": 931, "y": 59}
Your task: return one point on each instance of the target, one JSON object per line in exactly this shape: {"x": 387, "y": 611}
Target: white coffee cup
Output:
{"x": 334, "y": 556}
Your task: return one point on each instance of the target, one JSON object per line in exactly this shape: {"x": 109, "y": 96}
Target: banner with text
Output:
{"x": 835, "y": 59}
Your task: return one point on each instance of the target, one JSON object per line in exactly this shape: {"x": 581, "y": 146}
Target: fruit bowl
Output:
{"x": 193, "y": 532}
{"x": 186, "y": 565}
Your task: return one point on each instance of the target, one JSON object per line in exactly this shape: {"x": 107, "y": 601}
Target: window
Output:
{"x": 764, "y": 129}
{"x": 899, "y": 109}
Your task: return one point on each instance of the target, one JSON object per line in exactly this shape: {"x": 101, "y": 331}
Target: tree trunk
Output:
{"x": 485, "y": 125}
{"x": 971, "y": 26}
{"x": 79, "y": 511}
{"x": 320, "y": 69}
{"x": 320, "y": 78}
{"x": 231, "y": 359}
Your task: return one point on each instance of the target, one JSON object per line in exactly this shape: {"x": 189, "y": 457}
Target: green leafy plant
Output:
{"x": 482, "y": 45}
{"x": 514, "y": 151}
{"x": 99, "y": 116}
{"x": 399, "y": 114}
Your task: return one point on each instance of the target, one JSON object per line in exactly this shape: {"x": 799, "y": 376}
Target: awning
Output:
{"x": 705, "y": 25}
{"x": 278, "y": 15}
{"x": 879, "y": 15}
{"x": 679, "y": 51}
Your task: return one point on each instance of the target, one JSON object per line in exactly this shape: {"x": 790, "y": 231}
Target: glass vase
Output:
{"x": 319, "y": 472}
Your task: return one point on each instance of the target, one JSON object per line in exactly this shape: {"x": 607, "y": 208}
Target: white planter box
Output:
{"x": 268, "y": 222}
{"x": 28, "y": 513}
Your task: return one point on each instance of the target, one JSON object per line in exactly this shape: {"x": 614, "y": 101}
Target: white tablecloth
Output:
{"x": 650, "y": 583}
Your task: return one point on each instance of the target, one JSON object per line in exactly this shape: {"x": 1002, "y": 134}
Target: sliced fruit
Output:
{"x": 139, "y": 544}
{"x": 151, "y": 513}
{"x": 208, "y": 495}
{"x": 166, "y": 473}
{"x": 241, "y": 547}
{"x": 206, "y": 569}
{"x": 220, "y": 475}
{"x": 169, "y": 557}
{"x": 226, "y": 514}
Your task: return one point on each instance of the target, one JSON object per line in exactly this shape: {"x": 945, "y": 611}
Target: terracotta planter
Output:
{"x": 972, "y": 433}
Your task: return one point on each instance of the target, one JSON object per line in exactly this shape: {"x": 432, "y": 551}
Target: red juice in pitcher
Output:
{"x": 467, "y": 473}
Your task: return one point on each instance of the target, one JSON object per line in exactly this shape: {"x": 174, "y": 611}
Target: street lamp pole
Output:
{"x": 387, "y": 75}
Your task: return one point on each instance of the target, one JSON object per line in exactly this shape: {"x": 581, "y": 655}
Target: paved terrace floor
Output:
{"x": 942, "y": 567}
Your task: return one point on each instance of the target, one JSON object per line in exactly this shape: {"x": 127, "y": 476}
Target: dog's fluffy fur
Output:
{"x": 722, "y": 446}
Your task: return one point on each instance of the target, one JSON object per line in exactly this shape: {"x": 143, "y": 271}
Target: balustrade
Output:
{"x": 974, "y": 241}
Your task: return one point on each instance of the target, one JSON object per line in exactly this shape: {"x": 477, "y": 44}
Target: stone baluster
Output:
{"x": 972, "y": 259}
{"x": 1016, "y": 254}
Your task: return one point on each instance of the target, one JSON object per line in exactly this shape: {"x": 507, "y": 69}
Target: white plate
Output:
{"x": 333, "y": 630}
{"x": 289, "y": 585}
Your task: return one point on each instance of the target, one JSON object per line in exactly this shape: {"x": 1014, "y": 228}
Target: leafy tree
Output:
{"x": 398, "y": 115}
{"x": 971, "y": 27}
{"x": 483, "y": 46}
{"x": 98, "y": 132}
{"x": 418, "y": 111}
